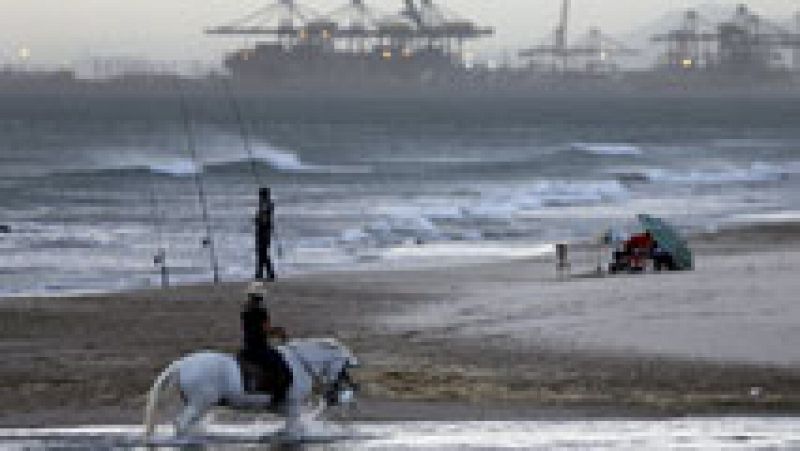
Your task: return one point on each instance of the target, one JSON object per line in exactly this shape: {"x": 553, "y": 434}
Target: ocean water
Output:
{"x": 90, "y": 192}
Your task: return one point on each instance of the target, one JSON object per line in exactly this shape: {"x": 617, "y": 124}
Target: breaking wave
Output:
{"x": 607, "y": 149}
{"x": 558, "y": 192}
{"x": 279, "y": 160}
{"x": 284, "y": 161}
{"x": 468, "y": 218}
{"x": 756, "y": 172}
{"x": 178, "y": 166}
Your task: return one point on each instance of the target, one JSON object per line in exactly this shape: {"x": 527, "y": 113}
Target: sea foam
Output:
{"x": 610, "y": 149}
{"x": 755, "y": 172}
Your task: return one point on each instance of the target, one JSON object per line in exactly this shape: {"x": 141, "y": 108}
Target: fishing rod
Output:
{"x": 245, "y": 134}
{"x": 160, "y": 259}
{"x": 247, "y": 144}
{"x": 208, "y": 241}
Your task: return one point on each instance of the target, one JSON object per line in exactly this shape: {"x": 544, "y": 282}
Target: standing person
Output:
{"x": 264, "y": 225}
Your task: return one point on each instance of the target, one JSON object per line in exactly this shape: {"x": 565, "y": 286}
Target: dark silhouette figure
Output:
{"x": 256, "y": 349}
{"x": 264, "y": 228}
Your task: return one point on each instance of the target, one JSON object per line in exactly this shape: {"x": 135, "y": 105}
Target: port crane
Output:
{"x": 745, "y": 43}
{"x": 595, "y": 48}
{"x": 422, "y": 23}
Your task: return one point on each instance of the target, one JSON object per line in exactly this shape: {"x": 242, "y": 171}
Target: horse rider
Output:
{"x": 257, "y": 348}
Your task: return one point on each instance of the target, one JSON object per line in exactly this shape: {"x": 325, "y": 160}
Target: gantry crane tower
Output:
{"x": 595, "y": 49}
{"x": 417, "y": 24}
{"x": 745, "y": 43}
{"x": 284, "y": 20}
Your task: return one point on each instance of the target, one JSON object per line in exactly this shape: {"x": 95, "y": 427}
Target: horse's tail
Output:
{"x": 166, "y": 377}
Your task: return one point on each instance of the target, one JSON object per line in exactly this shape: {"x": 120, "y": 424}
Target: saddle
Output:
{"x": 257, "y": 379}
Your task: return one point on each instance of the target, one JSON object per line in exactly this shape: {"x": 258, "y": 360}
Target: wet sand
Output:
{"x": 500, "y": 340}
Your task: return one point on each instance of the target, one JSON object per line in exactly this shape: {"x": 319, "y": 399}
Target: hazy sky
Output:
{"x": 65, "y": 31}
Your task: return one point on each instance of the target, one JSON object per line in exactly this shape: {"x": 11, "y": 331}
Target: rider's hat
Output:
{"x": 257, "y": 288}
{"x": 256, "y": 293}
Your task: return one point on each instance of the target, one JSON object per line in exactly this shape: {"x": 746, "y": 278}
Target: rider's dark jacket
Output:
{"x": 254, "y": 336}
{"x": 256, "y": 348}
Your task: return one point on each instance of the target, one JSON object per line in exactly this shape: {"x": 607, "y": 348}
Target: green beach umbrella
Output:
{"x": 670, "y": 240}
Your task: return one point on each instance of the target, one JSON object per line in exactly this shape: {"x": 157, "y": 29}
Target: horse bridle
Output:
{"x": 318, "y": 385}
{"x": 328, "y": 391}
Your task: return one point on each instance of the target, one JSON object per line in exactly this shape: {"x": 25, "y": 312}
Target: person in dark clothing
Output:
{"x": 264, "y": 225}
{"x": 662, "y": 259}
{"x": 257, "y": 331}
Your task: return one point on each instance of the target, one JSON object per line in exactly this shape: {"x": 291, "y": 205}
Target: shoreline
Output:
{"x": 480, "y": 341}
{"x": 728, "y": 234}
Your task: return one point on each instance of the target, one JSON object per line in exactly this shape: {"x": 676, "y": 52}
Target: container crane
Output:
{"x": 745, "y": 43}
{"x": 595, "y": 48}
{"x": 284, "y": 19}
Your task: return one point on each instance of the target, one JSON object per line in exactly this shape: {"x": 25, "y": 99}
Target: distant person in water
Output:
{"x": 264, "y": 228}
{"x": 258, "y": 336}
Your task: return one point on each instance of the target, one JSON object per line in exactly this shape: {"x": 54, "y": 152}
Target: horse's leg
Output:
{"x": 191, "y": 414}
{"x": 294, "y": 421}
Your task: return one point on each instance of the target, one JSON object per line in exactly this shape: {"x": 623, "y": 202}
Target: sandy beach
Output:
{"x": 494, "y": 340}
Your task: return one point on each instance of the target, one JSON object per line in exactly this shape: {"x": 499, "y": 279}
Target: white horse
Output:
{"x": 210, "y": 379}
